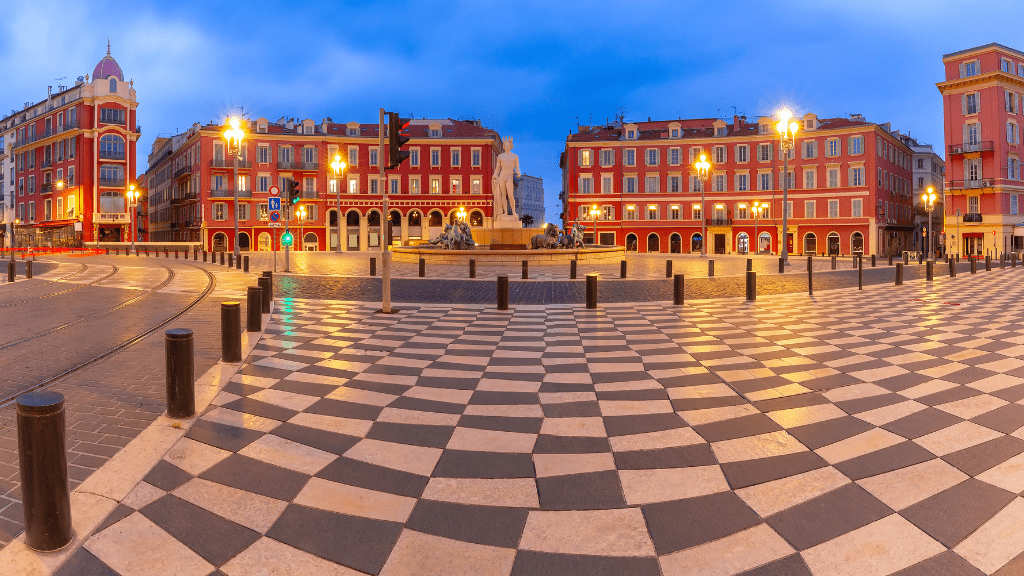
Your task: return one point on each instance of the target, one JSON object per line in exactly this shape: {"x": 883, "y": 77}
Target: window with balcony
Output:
{"x": 309, "y": 154}
{"x": 111, "y": 147}
{"x": 111, "y": 174}
{"x": 111, "y": 116}
{"x": 973, "y": 205}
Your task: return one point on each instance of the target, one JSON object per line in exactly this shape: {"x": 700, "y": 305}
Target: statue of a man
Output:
{"x": 502, "y": 181}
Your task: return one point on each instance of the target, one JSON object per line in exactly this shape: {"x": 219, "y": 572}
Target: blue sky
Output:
{"x": 531, "y": 70}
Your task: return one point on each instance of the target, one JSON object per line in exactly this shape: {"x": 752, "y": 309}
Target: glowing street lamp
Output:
{"x": 758, "y": 207}
{"x": 787, "y": 140}
{"x": 594, "y": 213}
{"x": 133, "y": 199}
{"x": 234, "y": 134}
{"x": 301, "y": 213}
{"x": 703, "y": 167}
{"x": 461, "y": 214}
{"x": 928, "y": 198}
{"x": 339, "y": 169}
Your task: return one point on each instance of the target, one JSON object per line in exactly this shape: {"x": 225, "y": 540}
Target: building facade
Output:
{"x": 192, "y": 195}
{"x": 929, "y": 172}
{"x": 73, "y": 156}
{"x": 849, "y": 186}
{"x": 981, "y": 102}
{"x": 529, "y": 195}
{"x": 6, "y": 185}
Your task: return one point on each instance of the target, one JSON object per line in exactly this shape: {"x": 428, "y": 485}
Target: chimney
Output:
{"x": 735, "y": 123}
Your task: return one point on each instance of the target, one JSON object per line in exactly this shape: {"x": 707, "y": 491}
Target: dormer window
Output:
{"x": 113, "y": 85}
{"x": 675, "y": 132}
{"x": 721, "y": 131}
{"x": 435, "y": 133}
{"x": 631, "y": 134}
{"x": 764, "y": 128}
{"x": 261, "y": 128}
{"x": 353, "y": 132}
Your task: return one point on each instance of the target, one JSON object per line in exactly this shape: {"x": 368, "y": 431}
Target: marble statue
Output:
{"x": 503, "y": 181}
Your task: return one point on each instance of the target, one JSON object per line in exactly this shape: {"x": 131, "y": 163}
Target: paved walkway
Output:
{"x": 874, "y": 432}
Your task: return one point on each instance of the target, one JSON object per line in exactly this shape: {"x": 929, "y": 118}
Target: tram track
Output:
{"x": 81, "y": 270}
{"x": 114, "y": 270}
{"x": 211, "y": 285}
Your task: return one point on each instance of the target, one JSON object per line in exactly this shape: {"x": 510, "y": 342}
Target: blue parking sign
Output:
{"x": 274, "y": 203}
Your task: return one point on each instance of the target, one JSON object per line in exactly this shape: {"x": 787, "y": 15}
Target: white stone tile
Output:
{"x": 194, "y": 457}
{"x": 289, "y": 400}
{"x": 288, "y": 454}
{"x": 119, "y": 548}
{"x": 709, "y": 415}
{"x": 890, "y": 413}
{"x": 620, "y": 532}
{"x": 142, "y": 495}
{"x": 968, "y": 408}
{"x": 907, "y": 486}
{"x": 413, "y": 459}
{"x": 547, "y": 465}
{"x": 418, "y": 554}
{"x": 582, "y": 426}
{"x": 771, "y": 497}
{"x": 347, "y": 426}
{"x": 859, "y": 445}
{"x": 1008, "y": 475}
{"x": 504, "y": 492}
{"x": 882, "y": 547}
{"x": 268, "y": 557}
{"x": 240, "y": 420}
{"x": 956, "y": 437}
{"x": 793, "y": 417}
{"x": 654, "y": 440}
{"x": 665, "y": 484}
{"x": 241, "y": 507}
{"x": 727, "y": 556}
{"x": 755, "y": 447}
{"x": 355, "y": 501}
{"x": 854, "y": 392}
{"x": 491, "y": 440}
{"x": 997, "y": 541}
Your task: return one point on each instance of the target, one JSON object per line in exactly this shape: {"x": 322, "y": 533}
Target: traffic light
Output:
{"x": 396, "y": 139}
{"x": 293, "y": 192}
{"x": 286, "y": 239}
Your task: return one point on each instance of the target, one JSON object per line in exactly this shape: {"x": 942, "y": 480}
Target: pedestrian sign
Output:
{"x": 275, "y": 216}
{"x": 274, "y": 203}
{"x": 286, "y": 239}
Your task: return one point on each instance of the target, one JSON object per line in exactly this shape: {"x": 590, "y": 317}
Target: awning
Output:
{"x": 56, "y": 223}
{"x": 973, "y": 234}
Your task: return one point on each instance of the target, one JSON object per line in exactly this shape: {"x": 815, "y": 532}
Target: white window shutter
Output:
{"x": 961, "y": 69}
{"x": 963, "y": 101}
{"x": 965, "y": 131}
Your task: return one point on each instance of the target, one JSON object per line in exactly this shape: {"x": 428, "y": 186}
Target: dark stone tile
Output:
{"x": 214, "y": 538}
{"x": 263, "y": 371}
{"x": 1014, "y": 567}
{"x": 488, "y": 525}
{"x": 503, "y": 398}
{"x": 976, "y": 459}
{"x": 328, "y": 371}
{"x": 448, "y": 383}
{"x": 470, "y": 464}
{"x": 590, "y": 491}
{"x": 947, "y": 563}
{"x": 222, "y": 436}
{"x": 952, "y": 514}
{"x": 373, "y": 477}
{"x": 752, "y": 472}
{"x": 306, "y": 388}
{"x": 704, "y": 403}
{"x": 548, "y": 444}
{"x": 798, "y": 401}
{"x": 374, "y": 386}
{"x": 330, "y": 407}
{"x": 571, "y": 409}
{"x": 641, "y": 394}
{"x": 412, "y": 434}
{"x": 675, "y": 457}
{"x": 885, "y": 460}
{"x": 1011, "y": 394}
{"x": 681, "y": 524}
{"x": 83, "y": 563}
{"x": 115, "y": 516}
{"x": 921, "y": 423}
{"x": 903, "y": 381}
{"x": 828, "y": 516}
{"x": 565, "y": 387}
{"x": 256, "y": 476}
{"x": 690, "y": 380}
{"x": 167, "y": 476}
{"x": 949, "y": 395}
{"x": 240, "y": 389}
{"x": 859, "y": 405}
{"x": 1005, "y": 419}
{"x": 641, "y": 423}
{"x": 365, "y": 544}
{"x": 320, "y": 439}
{"x": 789, "y": 566}
{"x": 820, "y": 434}
{"x": 501, "y": 423}
{"x": 830, "y": 382}
{"x": 741, "y": 427}
{"x": 530, "y": 563}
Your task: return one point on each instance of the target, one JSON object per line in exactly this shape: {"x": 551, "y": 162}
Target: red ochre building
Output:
{"x": 850, "y": 185}
{"x": 981, "y": 101}
{"x": 71, "y": 154}
{"x": 191, "y": 192}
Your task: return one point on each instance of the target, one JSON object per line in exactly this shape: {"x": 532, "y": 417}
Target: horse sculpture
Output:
{"x": 574, "y": 239}
{"x": 457, "y": 237}
{"x": 547, "y": 240}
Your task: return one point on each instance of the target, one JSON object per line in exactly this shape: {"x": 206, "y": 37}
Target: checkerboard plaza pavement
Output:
{"x": 860, "y": 433}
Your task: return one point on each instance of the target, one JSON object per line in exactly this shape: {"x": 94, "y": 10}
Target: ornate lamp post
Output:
{"x": 594, "y": 212}
{"x": 787, "y": 140}
{"x": 703, "y": 167}
{"x": 133, "y": 199}
{"x": 461, "y": 214}
{"x": 301, "y": 213}
{"x": 339, "y": 169}
{"x": 928, "y": 198}
{"x": 234, "y": 135}
{"x": 757, "y": 217}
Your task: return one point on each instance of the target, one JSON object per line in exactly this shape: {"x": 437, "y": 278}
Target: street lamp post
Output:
{"x": 234, "y": 136}
{"x": 594, "y": 212}
{"x": 787, "y": 140}
{"x": 133, "y": 198}
{"x": 928, "y": 198}
{"x": 959, "y": 240}
{"x": 702, "y": 166}
{"x": 757, "y": 216}
{"x": 339, "y": 168}
{"x": 461, "y": 214}
{"x": 301, "y": 213}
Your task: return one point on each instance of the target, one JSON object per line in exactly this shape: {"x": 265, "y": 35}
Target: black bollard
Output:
{"x": 245, "y": 264}
{"x": 472, "y": 267}
{"x": 221, "y": 258}
{"x": 526, "y": 269}
{"x": 181, "y": 393}
{"x": 860, "y": 273}
{"x": 711, "y": 268}
{"x": 751, "y": 285}
{"x": 872, "y": 260}
{"x": 1002, "y": 261}
{"x": 591, "y": 290}
{"x": 108, "y": 252}
{"x": 920, "y": 257}
{"x": 854, "y": 262}
{"x": 231, "y": 331}
{"x": 175, "y": 254}
{"x": 28, "y": 269}
{"x": 423, "y": 268}
{"x": 373, "y": 267}
{"x": 503, "y": 292}
{"x": 1013, "y": 260}
{"x": 988, "y": 263}
{"x": 254, "y": 309}
{"x": 810, "y": 275}
{"x": 677, "y": 290}
{"x": 265, "y": 290}
{"x": 890, "y": 259}
{"x": 231, "y": 260}
{"x": 204, "y": 255}
{"x": 750, "y": 264}
{"x": 929, "y": 271}
{"x": 270, "y": 285}
{"x": 899, "y": 273}
{"x": 906, "y": 258}
{"x": 622, "y": 269}
{"x": 974, "y": 265}
{"x": 572, "y": 269}
{"x": 952, "y": 268}
{"x": 11, "y": 271}
{"x": 668, "y": 268}
{"x": 238, "y": 262}
{"x": 166, "y": 252}
{"x": 43, "y": 462}
{"x": 782, "y": 265}
{"x": 833, "y": 262}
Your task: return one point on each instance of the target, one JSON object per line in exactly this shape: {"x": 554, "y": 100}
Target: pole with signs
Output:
{"x": 384, "y": 221}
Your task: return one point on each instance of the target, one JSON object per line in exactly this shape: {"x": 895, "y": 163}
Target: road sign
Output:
{"x": 275, "y": 216}
{"x": 274, "y": 203}
{"x": 276, "y": 224}
{"x": 274, "y": 191}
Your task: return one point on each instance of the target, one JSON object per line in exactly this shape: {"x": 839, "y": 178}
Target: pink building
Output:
{"x": 981, "y": 101}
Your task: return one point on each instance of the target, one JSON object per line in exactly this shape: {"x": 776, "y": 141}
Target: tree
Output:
{"x": 527, "y": 220}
